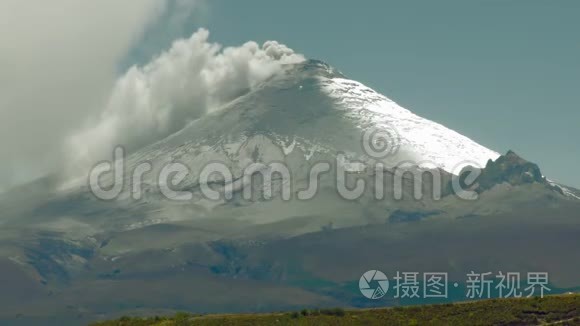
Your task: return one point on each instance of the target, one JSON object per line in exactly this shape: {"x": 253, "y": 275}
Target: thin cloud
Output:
{"x": 193, "y": 77}
{"x": 59, "y": 62}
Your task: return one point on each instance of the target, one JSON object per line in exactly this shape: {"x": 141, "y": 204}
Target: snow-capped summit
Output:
{"x": 313, "y": 108}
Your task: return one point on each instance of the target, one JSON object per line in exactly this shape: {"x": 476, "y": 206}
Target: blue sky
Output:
{"x": 505, "y": 73}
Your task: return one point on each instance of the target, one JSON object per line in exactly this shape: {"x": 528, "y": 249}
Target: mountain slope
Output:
{"x": 75, "y": 252}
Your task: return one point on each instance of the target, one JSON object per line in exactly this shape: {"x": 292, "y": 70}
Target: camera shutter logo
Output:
{"x": 373, "y": 284}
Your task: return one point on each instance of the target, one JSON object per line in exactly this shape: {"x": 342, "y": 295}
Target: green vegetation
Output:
{"x": 556, "y": 310}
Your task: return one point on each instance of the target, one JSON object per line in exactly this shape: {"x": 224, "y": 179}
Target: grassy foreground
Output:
{"x": 551, "y": 310}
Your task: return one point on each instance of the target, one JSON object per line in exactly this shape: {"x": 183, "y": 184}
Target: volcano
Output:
{"x": 68, "y": 250}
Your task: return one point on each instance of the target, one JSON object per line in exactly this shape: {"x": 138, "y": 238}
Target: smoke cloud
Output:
{"x": 190, "y": 79}
{"x": 59, "y": 60}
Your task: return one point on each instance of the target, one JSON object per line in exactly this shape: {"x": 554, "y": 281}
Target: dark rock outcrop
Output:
{"x": 507, "y": 169}
{"x": 511, "y": 169}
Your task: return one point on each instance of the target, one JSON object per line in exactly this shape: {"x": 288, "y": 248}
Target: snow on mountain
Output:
{"x": 430, "y": 141}
{"x": 311, "y": 108}
{"x": 307, "y": 113}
